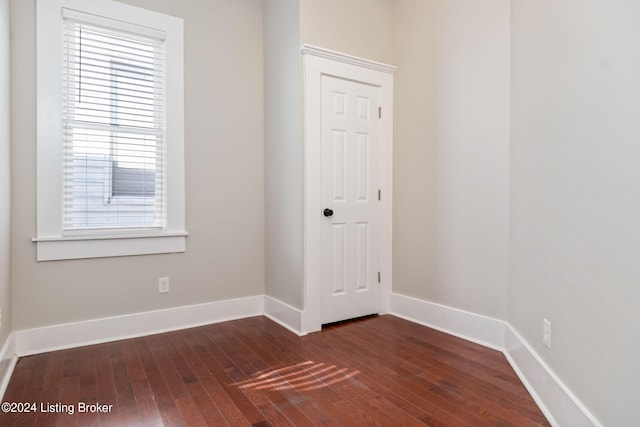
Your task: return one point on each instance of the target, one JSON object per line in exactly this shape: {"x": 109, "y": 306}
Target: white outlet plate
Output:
{"x": 546, "y": 333}
{"x": 163, "y": 285}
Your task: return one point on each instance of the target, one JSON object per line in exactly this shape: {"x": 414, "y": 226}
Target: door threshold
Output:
{"x": 348, "y": 321}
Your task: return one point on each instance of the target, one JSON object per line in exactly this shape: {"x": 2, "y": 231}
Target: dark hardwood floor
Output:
{"x": 380, "y": 371}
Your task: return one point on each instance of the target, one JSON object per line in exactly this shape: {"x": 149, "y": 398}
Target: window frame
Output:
{"x": 52, "y": 242}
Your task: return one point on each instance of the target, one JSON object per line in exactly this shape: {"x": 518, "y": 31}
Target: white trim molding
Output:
{"x": 333, "y": 55}
{"x": 283, "y": 314}
{"x": 320, "y": 62}
{"x": 560, "y": 406}
{"x": 557, "y": 402}
{"x": 96, "y": 331}
{"x": 477, "y": 328}
{"x": 8, "y": 360}
{"x": 91, "y": 247}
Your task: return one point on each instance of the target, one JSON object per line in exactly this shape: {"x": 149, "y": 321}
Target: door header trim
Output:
{"x": 321, "y": 52}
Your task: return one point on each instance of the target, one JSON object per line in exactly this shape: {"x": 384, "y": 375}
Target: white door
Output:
{"x": 350, "y": 231}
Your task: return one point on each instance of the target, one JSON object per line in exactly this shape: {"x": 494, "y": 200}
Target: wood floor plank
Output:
{"x": 275, "y": 374}
{"x": 385, "y": 382}
{"x": 229, "y": 409}
{"x": 320, "y": 349}
{"x": 290, "y": 361}
{"x": 489, "y": 392}
{"x": 132, "y": 361}
{"x": 106, "y": 386}
{"x": 379, "y": 371}
{"x": 205, "y": 405}
{"x": 284, "y": 403}
{"x": 161, "y": 393}
{"x": 190, "y": 412}
{"x": 220, "y": 367}
{"x": 69, "y": 393}
{"x": 443, "y": 397}
{"x": 147, "y": 406}
{"x": 88, "y": 389}
{"x": 237, "y": 368}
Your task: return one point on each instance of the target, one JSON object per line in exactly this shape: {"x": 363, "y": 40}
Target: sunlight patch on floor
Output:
{"x": 303, "y": 376}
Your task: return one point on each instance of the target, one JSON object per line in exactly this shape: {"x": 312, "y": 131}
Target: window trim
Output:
{"x": 52, "y": 243}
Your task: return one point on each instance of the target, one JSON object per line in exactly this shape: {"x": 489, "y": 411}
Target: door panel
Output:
{"x": 349, "y": 188}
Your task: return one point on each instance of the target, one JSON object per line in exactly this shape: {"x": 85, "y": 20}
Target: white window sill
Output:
{"x": 79, "y": 247}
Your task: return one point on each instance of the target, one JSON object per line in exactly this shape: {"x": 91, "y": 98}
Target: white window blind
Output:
{"x": 113, "y": 125}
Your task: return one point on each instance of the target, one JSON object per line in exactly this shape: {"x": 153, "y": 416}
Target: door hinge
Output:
{"x": 379, "y": 194}
{"x": 379, "y": 112}
{"x": 378, "y": 277}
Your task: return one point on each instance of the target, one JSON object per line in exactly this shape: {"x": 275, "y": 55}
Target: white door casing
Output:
{"x": 349, "y": 168}
{"x": 318, "y": 64}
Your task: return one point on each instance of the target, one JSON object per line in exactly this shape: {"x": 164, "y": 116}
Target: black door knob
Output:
{"x": 327, "y": 212}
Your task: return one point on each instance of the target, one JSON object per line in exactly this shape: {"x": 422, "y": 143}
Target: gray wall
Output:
{"x": 5, "y": 174}
{"x": 224, "y": 176}
{"x": 284, "y": 193}
{"x": 575, "y": 195}
{"x": 451, "y": 153}
{"x": 357, "y": 27}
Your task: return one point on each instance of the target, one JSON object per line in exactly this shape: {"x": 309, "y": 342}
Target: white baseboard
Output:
{"x": 556, "y": 401}
{"x": 8, "y": 361}
{"x": 57, "y": 337}
{"x": 473, "y": 327}
{"x": 283, "y": 314}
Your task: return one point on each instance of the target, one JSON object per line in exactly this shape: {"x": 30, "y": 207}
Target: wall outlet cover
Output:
{"x": 163, "y": 285}
{"x": 546, "y": 333}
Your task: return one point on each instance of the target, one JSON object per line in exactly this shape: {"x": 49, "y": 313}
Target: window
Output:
{"x": 113, "y": 127}
{"x": 136, "y": 167}
{"x": 110, "y": 131}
